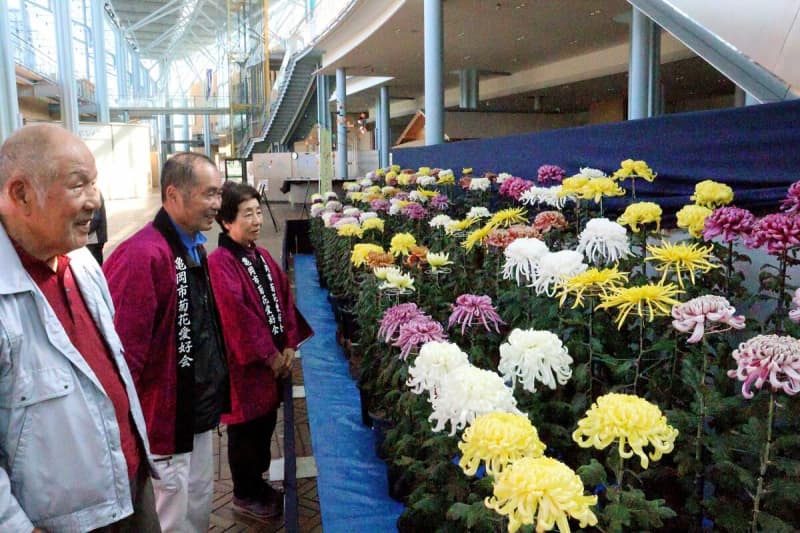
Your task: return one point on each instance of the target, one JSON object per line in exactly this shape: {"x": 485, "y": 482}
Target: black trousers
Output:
{"x": 249, "y": 455}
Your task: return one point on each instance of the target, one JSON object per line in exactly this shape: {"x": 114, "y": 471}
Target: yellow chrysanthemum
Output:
{"x": 596, "y": 188}
{"x": 634, "y": 169}
{"x": 459, "y": 225}
{"x": 633, "y": 420}
{"x": 395, "y": 279}
{"x": 466, "y": 170}
{"x": 590, "y": 283}
{"x": 693, "y": 219}
{"x": 445, "y": 179}
{"x": 681, "y": 258}
{"x": 373, "y": 223}
{"x": 401, "y": 244}
{"x": 360, "y": 251}
{"x": 424, "y": 171}
{"x": 652, "y": 300}
{"x": 712, "y": 194}
{"x": 391, "y": 175}
{"x": 350, "y": 230}
{"x": 372, "y": 189}
{"x": 641, "y": 213}
{"x": 438, "y": 260}
{"x": 573, "y": 186}
{"x": 357, "y": 196}
{"x": 497, "y": 439}
{"x": 476, "y": 237}
{"x": 544, "y": 491}
{"x": 382, "y": 272}
{"x": 508, "y": 217}
{"x": 404, "y": 179}
{"x": 380, "y": 172}
{"x": 395, "y": 168}
{"x": 426, "y": 193}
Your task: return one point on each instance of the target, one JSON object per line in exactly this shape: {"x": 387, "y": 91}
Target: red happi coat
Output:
{"x": 248, "y": 339}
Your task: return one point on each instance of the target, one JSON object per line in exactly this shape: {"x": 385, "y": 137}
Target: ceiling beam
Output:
{"x": 163, "y": 11}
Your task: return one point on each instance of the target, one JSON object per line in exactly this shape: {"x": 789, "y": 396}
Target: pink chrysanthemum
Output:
{"x": 414, "y": 211}
{"x": 521, "y": 231}
{"x": 499, "y": 238}
{"x": 380, "y": 205}
{"x": 709, "y": 310}
{"x": 730, "y": 222}
{"x": 394, "y": 317}
{"x": 794, "y": 314}
{"x": 514, "y": 187}
{"x": 768, "y": 358}
{"x": 468, "y": 307}
{"x": 440, "y": 202}
{"x": 548, "y": 220}
{"x": 550, "y": 173}
{"x": 417, "y": 332}
{"x": 778, "y": 232}
{"x": 792, "y": 202}
{"x": 465, "y": 182}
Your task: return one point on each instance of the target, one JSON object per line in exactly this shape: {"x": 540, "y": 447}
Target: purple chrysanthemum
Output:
{"x": 778, "y": 232}
{"x": 417, "y": 332}
{"x": 440, "y": 202}
{"x": 792, "y": 202}
{"x": 469, "y": 307}
{"x": 514, "y": 187}
{"x": 773, "y": 359}
{"x": 550, "y": 173}
{"x": 414, "y": 211}
{"x": 401, "y": 196}
{"x": 730, "y": 222}
{"x": 380, "y": 205}
{"x": 394, "y": 317}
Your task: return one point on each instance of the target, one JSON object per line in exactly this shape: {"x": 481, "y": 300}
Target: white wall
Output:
{"x": 122, "y": 155}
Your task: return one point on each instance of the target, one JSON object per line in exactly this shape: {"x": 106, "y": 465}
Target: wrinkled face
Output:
{"x": 59, "y": 217}
{"x": 246, "y": 226}
{"x": 197, "y": 207}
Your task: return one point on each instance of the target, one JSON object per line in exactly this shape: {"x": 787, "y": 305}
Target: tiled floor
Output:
{"x": 127, "y": 216}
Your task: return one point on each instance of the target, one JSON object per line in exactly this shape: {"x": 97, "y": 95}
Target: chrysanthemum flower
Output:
{"x": 768, "y": 358}
{"x": 779, "y": 232}
{"x": 550, "y": 173}
{"x": 425, "y": 195}
{"x": 593, "y": 282}
{"x": 316, "y": 198}
{"x": 499, "y": 238}
{"x": 692, "y": 218}
{"x": 573, "y": 186}
{"x": 712, "y": 194}
{"x": 596, "y": 188}
{"x": 440, "y": 221}
{"x": 476, "y": 237}
{"x": 506, "y": 217}
{"x": 417, "y": 256}
{"x": 479, "y": 184}
{"x": 549, "y": 220}
{"x": 522, "y": 258}
{"x": 438, "y": 260}
{"x": 355, "y": 196}
{"x": 401, "y": 243}
{"x": 417, "y": 332}
{"x": 514, "y": 187}
{"x": 440, "y": 202}
{"x": 367, "y": 215}
{"x": 544, "y": 491}
{"x": 398, "y": 280}
{"x": 405, "y": 178}
{"x": 445, "y": 177}
{"x": 497, "y": 439}
{"x": 424, "y": 171}
{"x": 349, "y": 230}
{"x": 360, "y": 251}
{"x": 532, "y": 356}
{"x": 590, "y": 172}
{"x": 709, "y": 310}
{"x": 650, "y": 300}
{"x": 351, "y": 186}
{"x": 791, "y": 204}
{"x": 467, "y": 392}
{"x": 631, "y": 419}
{"x": 555, "y": 267}
{"x": 418, "y": 197}
{"x": 682, "y": 258}
{"x": 794, "y": 314}
{"x": 549, "y": 196}
{"x": 373, "y": 223}
{"x": 603, "y": 241}
{"x": 394, "y": 317}
{"x": 382, "y": 272}
{"x": 503, "y": 176}
{"x": 379, "y": 260}
{"x": 478, "y": 212}
{"x": 434, "y": 361}
{"x": 470, "y": 307}
{"x": 521, "y": 231}
{"x": 414, "y": 211}
{"x": 380, "y": 205}
{"x": 330, "y": 195}
{"x": 634, "y": 169}
{"x": 730, "y": 223}
{"x": 641, "y": 213}
{"x": 333, "y": 205}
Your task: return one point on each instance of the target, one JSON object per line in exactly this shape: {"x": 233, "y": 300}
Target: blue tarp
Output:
{"x": 754, "y": 149}
{"x": 351, "y": 483}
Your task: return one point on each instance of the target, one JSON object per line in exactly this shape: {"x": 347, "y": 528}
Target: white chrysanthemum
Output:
{"x": 366, "y": 182}
{"x": 479, "y": 184}
{"x": 317, "y": 210}
{"x": 366, "y": 215}
{"x": 554, "y": 267}
{"x": 351, "y": 186}
{"x": 333, "y": 205}
{"x": 426, "y": 181}
{"x": 440, "y": 221}
{"x": 545, "y": 196}
{"x": 590, "y": 172}
{"x": 603, "y": 241}
{"x": 415, "y": 196}
{"x": 326, "y": 217}
{"x": 346, "y": 220}
{"x": 351, "y": 212}
{"x": 445, "y": 173}
{"x": 395, "y": 207}
{"x": 532, "y": 356}
{"x": 387, "y": 190}
{"x": 398, "y": 280}
{"x": 435, "y": 360}
{"x": 452, "y": 227}
{"x": 330, "y": 195}
{"x": 467, "y": 392}
{"x": 522, "y": 258}
{"x": 503, "y": 176}
{"x": 479, "y": 212}
{"x": 383, "y": 272}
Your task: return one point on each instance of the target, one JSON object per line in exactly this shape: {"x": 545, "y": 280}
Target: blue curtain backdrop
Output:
{"x": 755, "y": 150}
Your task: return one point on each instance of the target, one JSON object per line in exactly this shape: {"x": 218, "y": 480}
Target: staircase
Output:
{"x": 288, "y": 112}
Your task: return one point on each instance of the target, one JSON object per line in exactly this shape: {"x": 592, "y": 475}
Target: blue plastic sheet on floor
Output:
{"x": 351, "y": 481}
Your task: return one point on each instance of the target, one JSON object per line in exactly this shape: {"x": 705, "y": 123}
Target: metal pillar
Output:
{"x": 654, "y": 71}
{"x": 638, "y": 73}
{"x": 9, "y": 110}
{"x": 207, "y": 134}
{"x": 100, "y": 74}
{"x": 434, "y": 72}
{"x": 468, "y": 80}
{"x": 386, "y": 131}
{"x": 341, "y": 122}
{"x": 66, "y": 78}
{"x": 121, "y": 62}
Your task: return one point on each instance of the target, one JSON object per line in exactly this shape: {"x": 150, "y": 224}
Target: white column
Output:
{"x": 66, "y": 77}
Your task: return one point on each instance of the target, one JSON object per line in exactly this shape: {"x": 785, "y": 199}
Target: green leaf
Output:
{"x": 593, "y": 474}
